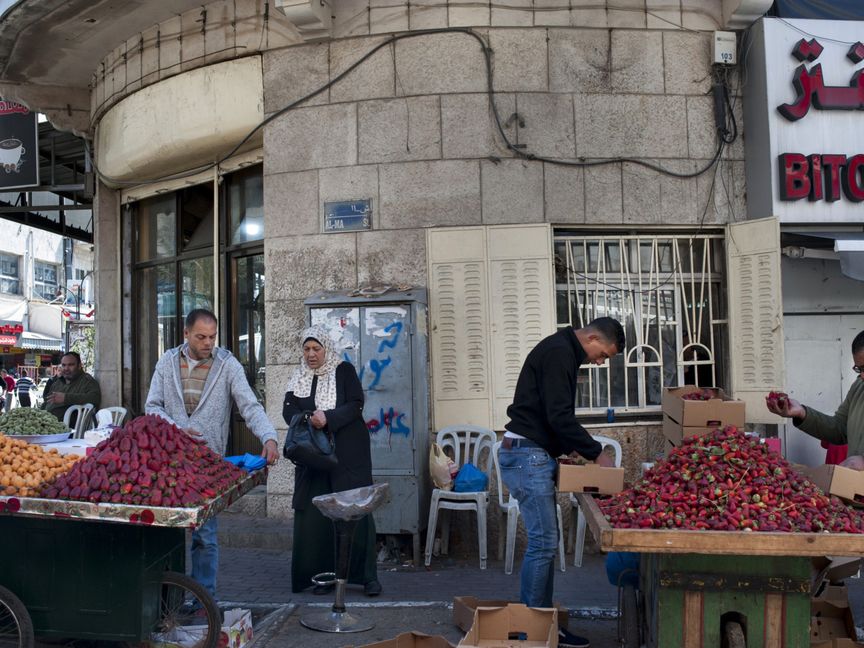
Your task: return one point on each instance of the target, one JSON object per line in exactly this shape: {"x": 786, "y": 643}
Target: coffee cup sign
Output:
{"x": 19, "y": 146}
{"x": 11, "y": 151}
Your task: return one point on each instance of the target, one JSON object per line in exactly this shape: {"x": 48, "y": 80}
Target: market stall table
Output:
{"x": 105, "y": 571}
{"x": 693, "y": 582}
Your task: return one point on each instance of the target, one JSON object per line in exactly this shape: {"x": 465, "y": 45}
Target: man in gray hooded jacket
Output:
{"x": 193, "y": 387}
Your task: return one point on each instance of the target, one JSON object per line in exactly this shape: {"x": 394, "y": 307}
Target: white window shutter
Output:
{"x": 522, "y": 304}
{"x": 755, "y": 314}
{"x": 459, "y": 315}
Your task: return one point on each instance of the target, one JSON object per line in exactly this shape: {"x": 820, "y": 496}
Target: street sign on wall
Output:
{"x": 347, "y": 216}
{"x": 19, "y": 146}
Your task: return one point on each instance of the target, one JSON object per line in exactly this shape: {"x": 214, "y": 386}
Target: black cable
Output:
{"x": 487, "y": 54}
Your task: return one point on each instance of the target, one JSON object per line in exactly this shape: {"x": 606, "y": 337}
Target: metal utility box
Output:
{"x": 384, "y": 335}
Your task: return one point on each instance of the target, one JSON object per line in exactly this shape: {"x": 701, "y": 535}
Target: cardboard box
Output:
{"x": 845, "y": 483}
{"x": 717, "y": 412}
{"x": 411, "y": 640}
{"x": 590, "y": 478}
{"x": 513, "y": 626}
{"x": 833, "y": 569}
{"x": 237, "y": 626}
{"x": 828, "y": 623}
{"x": 675, "y": 432}
{"x": 236, "y": 633}
{"x": 464, "y": 606}
{"x": 836, "y": 595}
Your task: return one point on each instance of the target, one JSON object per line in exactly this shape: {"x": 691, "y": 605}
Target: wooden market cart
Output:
{"x": 115, "y": 572}
{"x": 707, "y": 589}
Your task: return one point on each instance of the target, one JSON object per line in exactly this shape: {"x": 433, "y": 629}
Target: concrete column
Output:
{"x": 106, "y": 238}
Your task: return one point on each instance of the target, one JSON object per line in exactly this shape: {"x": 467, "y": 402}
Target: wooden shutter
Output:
{"x": 522, "y": 304}
{"x": 458, "y": 310}
{"x": 755, "y": 314}
{"x": 491, "y": 299}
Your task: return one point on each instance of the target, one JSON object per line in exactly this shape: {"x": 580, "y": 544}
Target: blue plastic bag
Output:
{"x": 247, "y": 462}
{"x": 470, "y": 479}
{"x": 622, "y": 566}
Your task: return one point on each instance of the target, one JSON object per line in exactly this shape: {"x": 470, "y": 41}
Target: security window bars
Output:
{"x": 44, "y": 280}
{"x": 9, "y": 278}
{"x": 667, "y": 292}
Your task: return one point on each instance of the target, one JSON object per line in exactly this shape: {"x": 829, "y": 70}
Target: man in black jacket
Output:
{"x": 542, "y": 426}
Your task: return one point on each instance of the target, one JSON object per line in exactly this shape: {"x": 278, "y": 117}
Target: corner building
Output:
{"x": 508, "y": 242}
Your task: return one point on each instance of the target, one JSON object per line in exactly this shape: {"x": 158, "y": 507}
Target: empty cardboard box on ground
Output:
{"x": 590, "y": 478}
{"x": 464, "y": 606}
{"x": 845, "y": 483}
{"x": 513, "y": 626}
{"x": 683, "y": 418}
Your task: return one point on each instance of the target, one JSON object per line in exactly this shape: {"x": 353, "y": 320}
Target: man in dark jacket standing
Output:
{"x": 542, "y": 426}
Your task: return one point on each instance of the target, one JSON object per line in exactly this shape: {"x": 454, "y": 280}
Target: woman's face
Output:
{"x": 314, "y": 354}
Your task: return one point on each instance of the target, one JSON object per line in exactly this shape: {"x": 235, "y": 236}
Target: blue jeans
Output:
{"x": 530, "y": 476}
{"x": 205, "y": 555}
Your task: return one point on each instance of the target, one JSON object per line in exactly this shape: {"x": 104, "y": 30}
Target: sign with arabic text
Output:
{"x": 348, "y": 216}
{"x": 804, "y": 121}
{"x": 19, "y": 146}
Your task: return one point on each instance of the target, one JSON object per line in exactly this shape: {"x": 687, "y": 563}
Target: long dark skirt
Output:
{"x": 315, "y": 547}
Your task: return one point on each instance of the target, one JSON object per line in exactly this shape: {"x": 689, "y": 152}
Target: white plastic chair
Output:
{"x": 467, "y": 443}
{"x": 83, "y": 414}
{"x": 111, "y": 415}
{"x": 579, "y": 519}
{"x": 510, "y": 510}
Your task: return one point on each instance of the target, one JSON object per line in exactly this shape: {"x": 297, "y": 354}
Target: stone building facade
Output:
{"x": 410, "y": 128}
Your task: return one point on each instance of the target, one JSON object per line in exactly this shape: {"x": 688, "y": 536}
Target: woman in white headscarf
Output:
{"x": 328, "y": 387}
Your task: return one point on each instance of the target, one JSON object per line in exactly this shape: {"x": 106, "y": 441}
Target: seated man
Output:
{"x": 73, "y": 387}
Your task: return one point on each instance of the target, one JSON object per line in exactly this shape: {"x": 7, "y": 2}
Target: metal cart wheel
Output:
{"x": 733, "y": 635}
{"x": 184, "y": 603}
{"x": 16, "y": 628}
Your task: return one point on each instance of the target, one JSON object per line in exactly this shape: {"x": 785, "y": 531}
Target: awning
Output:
{"x": 30, "y": 340}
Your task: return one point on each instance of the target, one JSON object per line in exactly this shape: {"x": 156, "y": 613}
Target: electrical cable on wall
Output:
{"x": 517, "y": 150}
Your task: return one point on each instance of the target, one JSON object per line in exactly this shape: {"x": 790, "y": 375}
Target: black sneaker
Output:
{"x": 568, "y": 640}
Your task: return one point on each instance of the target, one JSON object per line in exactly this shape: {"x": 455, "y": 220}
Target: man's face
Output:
{"x": 858, "y": 359}
{"x": 69, "y": 367}
{"x": 599, "y": 349}
{"x": 201, "y": 338}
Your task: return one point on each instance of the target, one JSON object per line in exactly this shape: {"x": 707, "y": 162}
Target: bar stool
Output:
{"x": 345, "y": 508}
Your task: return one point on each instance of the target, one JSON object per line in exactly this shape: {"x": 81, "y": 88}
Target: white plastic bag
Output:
{"x": 440, "y": 468}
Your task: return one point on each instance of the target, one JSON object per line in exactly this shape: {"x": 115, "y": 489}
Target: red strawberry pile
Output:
{"x": 727, "y": 481}
{"x": 149, "y": 462}
{"x": 701, "y": 395}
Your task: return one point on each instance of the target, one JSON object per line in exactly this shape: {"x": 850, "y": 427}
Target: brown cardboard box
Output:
{"x": 590, "y": 478}
{"x": 675, "y": 432}
{"x": 832, "y": 569}
{"x": 717, "y": 412}
{"x": 845, "y": 483}
{"x": 411, "y": 640}
{"x": 828, "y": 622}
{"x": 464, "y": 606}
{"x": 836, "y": 595}
{"x": 513, "y": 626}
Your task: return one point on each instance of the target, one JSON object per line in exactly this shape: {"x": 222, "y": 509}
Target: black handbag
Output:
{"x": 308, "y": 446}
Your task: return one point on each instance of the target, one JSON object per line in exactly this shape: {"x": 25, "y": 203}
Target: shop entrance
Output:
{"x": 247, "y": 338}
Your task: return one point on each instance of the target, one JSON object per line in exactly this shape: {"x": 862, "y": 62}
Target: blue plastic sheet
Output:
{"x": 247, "y": 462}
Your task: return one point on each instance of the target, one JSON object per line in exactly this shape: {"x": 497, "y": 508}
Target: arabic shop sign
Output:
{"x": 804, "y": 125}
{"x": 347, "y": 216}
{"x": 19, "y": 150}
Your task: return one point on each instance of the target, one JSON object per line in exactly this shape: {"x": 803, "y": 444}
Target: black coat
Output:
{"x": 545, "y": 399}
{"x": 346, "y": 423}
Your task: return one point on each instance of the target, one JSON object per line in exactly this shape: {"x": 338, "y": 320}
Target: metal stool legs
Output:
{"x": 337, "y": 619}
